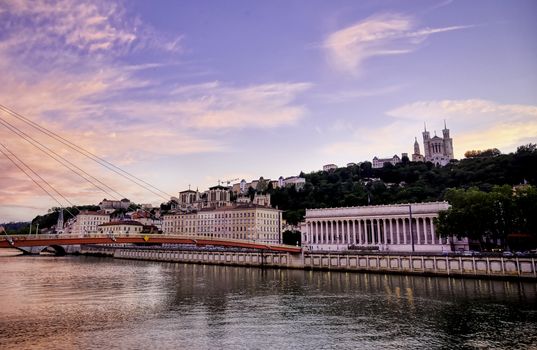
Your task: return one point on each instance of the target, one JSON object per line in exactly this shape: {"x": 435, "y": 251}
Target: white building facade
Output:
{"x": 248, "y": 222}
{"x": 329, "y": 167}
{"x": 121, "y": 227}
{"x": 379, "y": 162}
{"x": 87, "y": 222}
{"x": 382, "y": 227}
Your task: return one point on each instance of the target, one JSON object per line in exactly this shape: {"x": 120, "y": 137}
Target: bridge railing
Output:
{"x": 193, "y": 238}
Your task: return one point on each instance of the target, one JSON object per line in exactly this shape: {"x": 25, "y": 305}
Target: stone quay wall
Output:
{"x": 464, "y": 266}
{"x": 460, "y": 266}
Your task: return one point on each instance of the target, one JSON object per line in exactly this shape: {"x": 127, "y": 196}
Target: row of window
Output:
{"x": 231, "y": 215}
{"x": 245, "y": 235}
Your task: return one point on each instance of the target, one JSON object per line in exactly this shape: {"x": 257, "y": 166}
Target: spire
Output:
{"x": 445, "y": 127}
{"x": 424, "y": 127}
{"x": 59, "y": 223}
{"x": 416, "y": 146}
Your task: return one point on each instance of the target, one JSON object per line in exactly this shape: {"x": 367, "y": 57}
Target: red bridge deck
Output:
{"x": 50, "y": 240}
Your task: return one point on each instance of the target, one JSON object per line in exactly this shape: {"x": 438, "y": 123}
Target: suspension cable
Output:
{"x": 50, "y": 153}
{"x": 35, "y": 181}
{"x": 101, "y": 161}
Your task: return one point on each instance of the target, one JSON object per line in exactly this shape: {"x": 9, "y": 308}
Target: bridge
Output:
{"x": 36, "y": 244}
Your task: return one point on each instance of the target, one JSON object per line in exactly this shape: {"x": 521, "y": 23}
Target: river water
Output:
{"x": 104, "y": 303}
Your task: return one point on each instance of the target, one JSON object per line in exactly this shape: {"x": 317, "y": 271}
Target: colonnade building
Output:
{"x": 381, "y": 227}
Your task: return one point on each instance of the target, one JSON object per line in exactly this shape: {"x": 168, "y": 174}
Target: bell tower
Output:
{"x": 448, "y": 142}
{"x": 426, "y": 142}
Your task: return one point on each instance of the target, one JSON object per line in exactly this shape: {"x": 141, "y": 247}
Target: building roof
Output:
{"x": 188, "y": 191}
{"x": 219, "y": 187}
{"x": 125, "y": 222}
{"x": 90, "y": 212}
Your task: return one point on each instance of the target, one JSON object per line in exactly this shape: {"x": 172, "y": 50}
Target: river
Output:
{"x": 103, "y": 303}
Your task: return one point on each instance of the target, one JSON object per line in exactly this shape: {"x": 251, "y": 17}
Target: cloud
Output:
{"x": 260, "y": 106}
{"x": 87, "y": 98}
{"x": 473, "y": 124}
{"x": 104, "y": 103}
{"x": 351, "y": 95}
{"x": 378, "y": 35}
{"x": 473, "y": 110}
{"x": 62, "y": 66}
{"x": 367, "y": 141}
{"x": 480, "y": 124}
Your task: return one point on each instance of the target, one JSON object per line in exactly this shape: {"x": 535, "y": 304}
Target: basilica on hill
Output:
{"x": 438, "y": 150}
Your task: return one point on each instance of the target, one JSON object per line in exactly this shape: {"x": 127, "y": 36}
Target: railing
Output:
{"x": 194, "y": 239}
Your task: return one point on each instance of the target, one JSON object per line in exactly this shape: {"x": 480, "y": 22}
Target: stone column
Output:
{"x": 353, "y": 241}
{"x": 391, "y": 231}
{"x": 366, "y": 229}
{"x": 404, "y": 231}
{"x": 349, "y": 231}
{"x": 418, "y": 231}
{"x": 426, "y": 237}
{"x": 344, "y": 232}
{"x": 359, "y": 223}
{"x": 397, "y": 230}
{"x": 321, "y": 232}
{"x": 433, "y": 235}
{"x": 332, "y": 232}
{"x": 379, "y": 236}
{"x": 341, "y": 232}
{"x": 386, "y": 229}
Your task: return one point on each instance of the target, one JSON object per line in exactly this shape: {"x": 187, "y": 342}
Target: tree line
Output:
{"x": 484, "y": 172}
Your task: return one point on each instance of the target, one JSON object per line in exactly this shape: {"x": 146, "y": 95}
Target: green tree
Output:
{"x": 291, "y": 237}
{"x": 489, "y": 216}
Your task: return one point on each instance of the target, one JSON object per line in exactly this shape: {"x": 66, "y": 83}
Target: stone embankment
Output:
{"x": 460, "y": 266}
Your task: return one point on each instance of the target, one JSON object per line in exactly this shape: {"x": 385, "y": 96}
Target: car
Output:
{"x": 507, "y": 254}
{"x": 470, "y": 253}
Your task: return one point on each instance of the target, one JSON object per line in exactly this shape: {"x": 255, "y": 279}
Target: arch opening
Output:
{"x": 56, "y": 250}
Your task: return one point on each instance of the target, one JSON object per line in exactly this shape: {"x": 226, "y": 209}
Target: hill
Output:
{"x": 405, "y": 182}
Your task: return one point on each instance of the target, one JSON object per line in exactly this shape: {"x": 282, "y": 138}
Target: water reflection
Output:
{"x": 105, "y": 303}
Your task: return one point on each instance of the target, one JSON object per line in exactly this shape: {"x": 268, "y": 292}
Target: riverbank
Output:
{"x": 459, "y": 266}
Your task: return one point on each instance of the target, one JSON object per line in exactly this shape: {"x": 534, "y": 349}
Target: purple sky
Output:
{"x": 191, "y": 92}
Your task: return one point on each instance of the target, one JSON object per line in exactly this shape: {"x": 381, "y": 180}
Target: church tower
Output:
{"x": 426, "y": 142}
{"x": 59, "y": 223}
{"x": 416, "y": 156}
{"x": 438, "y": 150}
{"x": 448, "y": 143}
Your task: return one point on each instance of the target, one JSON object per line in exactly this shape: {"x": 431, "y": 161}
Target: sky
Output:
{"x": 187, "y": 93}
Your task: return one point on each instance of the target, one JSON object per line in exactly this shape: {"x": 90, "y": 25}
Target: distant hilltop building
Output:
{"x": 329, "y": 167}
{"x": 113, "y": 204}
{"x": 438, "y": 150}
{"x": 215, "y": 197}
{"x": 262, "y": 184}
{"x": 379, "y": 162}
